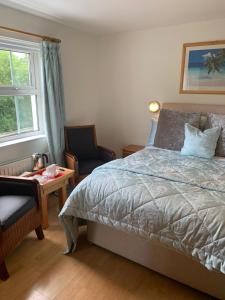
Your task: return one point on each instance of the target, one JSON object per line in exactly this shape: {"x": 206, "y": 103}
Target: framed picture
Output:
{"x": 203, "y": 68}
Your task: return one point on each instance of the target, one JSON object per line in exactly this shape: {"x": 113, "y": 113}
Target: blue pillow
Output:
{"x": 151, "y": 138}
{"x": 198, "y": 143}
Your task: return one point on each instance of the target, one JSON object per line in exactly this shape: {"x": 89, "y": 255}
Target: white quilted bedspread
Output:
{"x": 160, "y": 195}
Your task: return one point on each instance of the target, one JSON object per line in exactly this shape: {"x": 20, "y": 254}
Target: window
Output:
{"x": 20, "y": 93}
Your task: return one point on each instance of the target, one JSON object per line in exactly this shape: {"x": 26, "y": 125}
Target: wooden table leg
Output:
{"x": 44, "y": 211}
{"x": 62, "y": 196}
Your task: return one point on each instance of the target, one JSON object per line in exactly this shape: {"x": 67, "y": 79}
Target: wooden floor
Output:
{"x": 40, "y": 271}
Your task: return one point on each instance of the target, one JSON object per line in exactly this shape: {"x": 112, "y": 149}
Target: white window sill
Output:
{"x": 22, "y": 140}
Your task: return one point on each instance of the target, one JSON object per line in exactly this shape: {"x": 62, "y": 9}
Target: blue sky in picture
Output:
{"x": 196, "y": 57}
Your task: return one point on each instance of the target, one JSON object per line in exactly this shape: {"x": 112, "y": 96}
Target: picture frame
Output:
{"x": 203, "y": 68}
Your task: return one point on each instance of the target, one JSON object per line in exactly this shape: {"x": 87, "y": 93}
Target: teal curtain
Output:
{"x": 54, "y": 100}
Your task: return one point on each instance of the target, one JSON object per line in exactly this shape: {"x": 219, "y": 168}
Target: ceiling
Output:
{"x": 108, "y": 16}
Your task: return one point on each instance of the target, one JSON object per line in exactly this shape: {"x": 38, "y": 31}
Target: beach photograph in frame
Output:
{"x": 203, "y": 68}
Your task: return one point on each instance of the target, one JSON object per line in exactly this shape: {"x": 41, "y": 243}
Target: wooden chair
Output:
{"x": 82, "y": 153}
{"x": 19, "y": 215}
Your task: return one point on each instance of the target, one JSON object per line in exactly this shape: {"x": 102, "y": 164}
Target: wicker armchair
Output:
{"x": 82, "y": 153}
{"x": 19, "y": 215}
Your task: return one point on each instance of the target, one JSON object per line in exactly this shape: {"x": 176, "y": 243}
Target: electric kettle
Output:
{"x": 39, "y": 160}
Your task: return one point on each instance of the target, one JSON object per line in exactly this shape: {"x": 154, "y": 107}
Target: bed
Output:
{"x": 158, "y": 209}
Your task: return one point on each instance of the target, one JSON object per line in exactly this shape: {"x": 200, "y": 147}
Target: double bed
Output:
{"x": 160, "y": 209}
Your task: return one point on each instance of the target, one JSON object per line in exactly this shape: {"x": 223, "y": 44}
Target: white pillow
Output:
{"x": 151, "y": 138}
{"x": 200, "y": 143}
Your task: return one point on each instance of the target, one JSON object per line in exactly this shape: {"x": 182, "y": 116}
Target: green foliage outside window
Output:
{"x": 15, "y": 111}
{"x": 7, "y": 115}
{"x": 25, "y": 112}
{"x": 5, "y": 71}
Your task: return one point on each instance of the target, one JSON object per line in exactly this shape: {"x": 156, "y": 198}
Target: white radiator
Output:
{"x": 16, "y": 168}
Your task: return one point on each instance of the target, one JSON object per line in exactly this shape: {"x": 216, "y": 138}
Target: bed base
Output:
{"x": 158, "y": 258}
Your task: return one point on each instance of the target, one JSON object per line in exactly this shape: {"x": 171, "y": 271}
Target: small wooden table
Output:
{"x": 130, "y": 149}
{"x": 57, "y": 184}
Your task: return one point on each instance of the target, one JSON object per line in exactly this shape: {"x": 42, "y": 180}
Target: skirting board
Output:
{"x": 158, "y": 258}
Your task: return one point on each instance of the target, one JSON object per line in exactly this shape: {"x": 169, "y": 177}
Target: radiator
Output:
{"x": 18, "y": 167}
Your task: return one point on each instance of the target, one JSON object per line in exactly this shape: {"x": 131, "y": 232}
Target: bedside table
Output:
{"x": 130, "y": 149}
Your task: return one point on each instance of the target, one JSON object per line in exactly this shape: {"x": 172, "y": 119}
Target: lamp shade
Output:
{"x": 154, "y": 106}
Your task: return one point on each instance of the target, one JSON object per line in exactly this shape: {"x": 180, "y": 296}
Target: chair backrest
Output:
{"x": 81, "y": 141}
{"x": 13, "y": 185}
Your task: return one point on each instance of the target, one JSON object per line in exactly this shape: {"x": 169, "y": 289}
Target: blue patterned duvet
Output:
{"x": 160, "y": 195}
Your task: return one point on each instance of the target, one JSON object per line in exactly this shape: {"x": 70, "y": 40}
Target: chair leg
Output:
{"x": 39, "y": 233}
{"x": 4, "y": 275}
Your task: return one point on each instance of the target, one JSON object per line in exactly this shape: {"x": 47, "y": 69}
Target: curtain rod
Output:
{"x": 43, "y": 37}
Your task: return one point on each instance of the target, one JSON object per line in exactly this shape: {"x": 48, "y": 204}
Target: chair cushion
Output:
{"x": 86, "y": 167}
{"x": 12, "y": 208}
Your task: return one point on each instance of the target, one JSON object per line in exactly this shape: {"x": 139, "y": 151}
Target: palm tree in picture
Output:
{"x": 214, "y": 62}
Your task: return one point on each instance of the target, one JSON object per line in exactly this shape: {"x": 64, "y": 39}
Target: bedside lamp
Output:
{"x": 154, "y": 106}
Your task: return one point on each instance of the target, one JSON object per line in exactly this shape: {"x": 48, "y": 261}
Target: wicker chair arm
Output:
{"x": 70, "y": 155}
{"x": 72, "y": 162}
{"x": 25, "y": 180}
{"x": 106, "y": 154}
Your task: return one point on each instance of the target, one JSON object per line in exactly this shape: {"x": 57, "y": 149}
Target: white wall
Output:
{"x": 109, "y": 80}
{"x": 79, "y": 63}
{"x": 139, "y": 66}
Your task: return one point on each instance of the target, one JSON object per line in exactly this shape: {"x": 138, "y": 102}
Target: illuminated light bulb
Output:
{"x": 154, "y": 106}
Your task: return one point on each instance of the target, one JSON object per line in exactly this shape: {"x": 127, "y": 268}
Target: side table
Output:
{"x": 56, "y": 184}
{"x": 130, "y": 149}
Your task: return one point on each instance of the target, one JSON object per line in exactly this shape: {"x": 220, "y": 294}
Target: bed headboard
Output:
{"x": 193, "y": 107}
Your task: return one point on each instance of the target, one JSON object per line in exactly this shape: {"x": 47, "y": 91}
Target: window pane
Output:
{"x": 5, "y": 71}
{"x": 18, "y": 115}
{"x": 25, "y": 113}
{"x": 8, "y": 123}
{"x": 19, "y": 89}
{"x": 20, "y": 65}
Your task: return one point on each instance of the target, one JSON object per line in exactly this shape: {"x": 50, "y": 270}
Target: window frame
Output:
{"x": 35, "y": 88}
